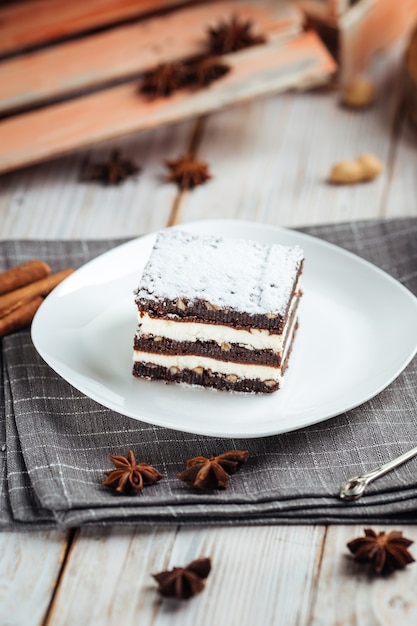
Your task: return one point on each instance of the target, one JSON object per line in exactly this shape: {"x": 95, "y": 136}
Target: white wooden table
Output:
{"x": 269, "y": 160}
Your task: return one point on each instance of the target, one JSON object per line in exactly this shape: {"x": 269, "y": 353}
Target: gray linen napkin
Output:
{"x": 55, "y": 442}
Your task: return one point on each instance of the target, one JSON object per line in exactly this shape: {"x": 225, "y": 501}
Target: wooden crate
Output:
{"x": 70, "y": 72}
{"x": 362, "y": 28}
{"x": 410, "y": 79}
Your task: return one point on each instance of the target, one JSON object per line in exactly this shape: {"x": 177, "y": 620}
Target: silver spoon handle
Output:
{"x": 356, "y": 485}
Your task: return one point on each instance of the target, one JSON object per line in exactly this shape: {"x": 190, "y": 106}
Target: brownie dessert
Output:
{"x": 216, "y": 312}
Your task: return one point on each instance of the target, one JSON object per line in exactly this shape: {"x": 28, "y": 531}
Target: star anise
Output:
{"x": 205, "y": 70}
{"x": 385, "y": 551}
{"x": 164, "y": 79}
{"x": 114, "y": 172}
{"x": 232, "y": 35}
{"x": 214, "y": 472}
{"x": 130, "y": 476}
{"x": 184, "y": 582}
{"x": 187, "y": 172}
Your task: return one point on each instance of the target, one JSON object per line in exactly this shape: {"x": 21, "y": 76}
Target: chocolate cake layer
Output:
{"x": 234, "y": 282}
{"x": 225, "y": 352}
{"x": 204, "y": 311}
{"x": 205, "y": 379}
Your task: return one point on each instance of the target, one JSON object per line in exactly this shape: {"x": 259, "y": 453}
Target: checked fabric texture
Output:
{"x": 55, "y": 442}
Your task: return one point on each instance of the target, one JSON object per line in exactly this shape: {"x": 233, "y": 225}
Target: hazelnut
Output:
{"x": 371, "y": 166}
{"x": 345, "y": 172}
{"x": 358, "y": 93}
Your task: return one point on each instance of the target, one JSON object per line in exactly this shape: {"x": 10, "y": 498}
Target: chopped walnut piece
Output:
{"x": 180, "y": 304}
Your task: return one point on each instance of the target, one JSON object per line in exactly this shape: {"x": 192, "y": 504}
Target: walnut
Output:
{"x": 180, "y": 304}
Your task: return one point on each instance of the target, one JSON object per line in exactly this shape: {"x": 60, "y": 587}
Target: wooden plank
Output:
{"x": 128, "y": 50}
{"x": 410, "y": 79}
{"x": 29, "y": 568}
{"x": 337, "y": 7}
{"x": 60, "y": 206}
{"x": 367, "y": 28}
{"x": 285, "y": 153}
{"x": 114, "y": 567}
{"x": 319, "y": 11}
{"x": 254, "y": 572}
{"x": 36, "y": 136}
{"x": 348, "y": 594}
{"x": 402, "y": 188}
{"x": 34, "y": 22}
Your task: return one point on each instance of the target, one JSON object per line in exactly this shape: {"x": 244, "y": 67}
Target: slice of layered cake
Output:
{"x": 217, "y": 312}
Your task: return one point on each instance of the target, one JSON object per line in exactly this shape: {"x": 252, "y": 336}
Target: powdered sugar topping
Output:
{"x": 237, "y": 274}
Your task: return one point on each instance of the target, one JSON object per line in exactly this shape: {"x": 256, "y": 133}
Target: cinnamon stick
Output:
{"x": 38, "y": 288}
{"x": 9, "y": 309}
{"x": 23, "y": 274}
{"x": 19, "y": 317}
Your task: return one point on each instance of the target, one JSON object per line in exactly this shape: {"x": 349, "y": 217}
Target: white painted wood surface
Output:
{"x": 30, "y": 565}
{"x": 269, "y": 160}
{"x": 348, "y": 594}
{"x": 118, "y": 564}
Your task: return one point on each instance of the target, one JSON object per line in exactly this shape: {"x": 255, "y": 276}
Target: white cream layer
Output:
{"x": 241, "y": 370}
{"x": 253, "y": 339}
{"x": 189, "y": 361}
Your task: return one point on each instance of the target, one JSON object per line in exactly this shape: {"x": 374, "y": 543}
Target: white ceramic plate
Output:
{"x": 357, "y": 332}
